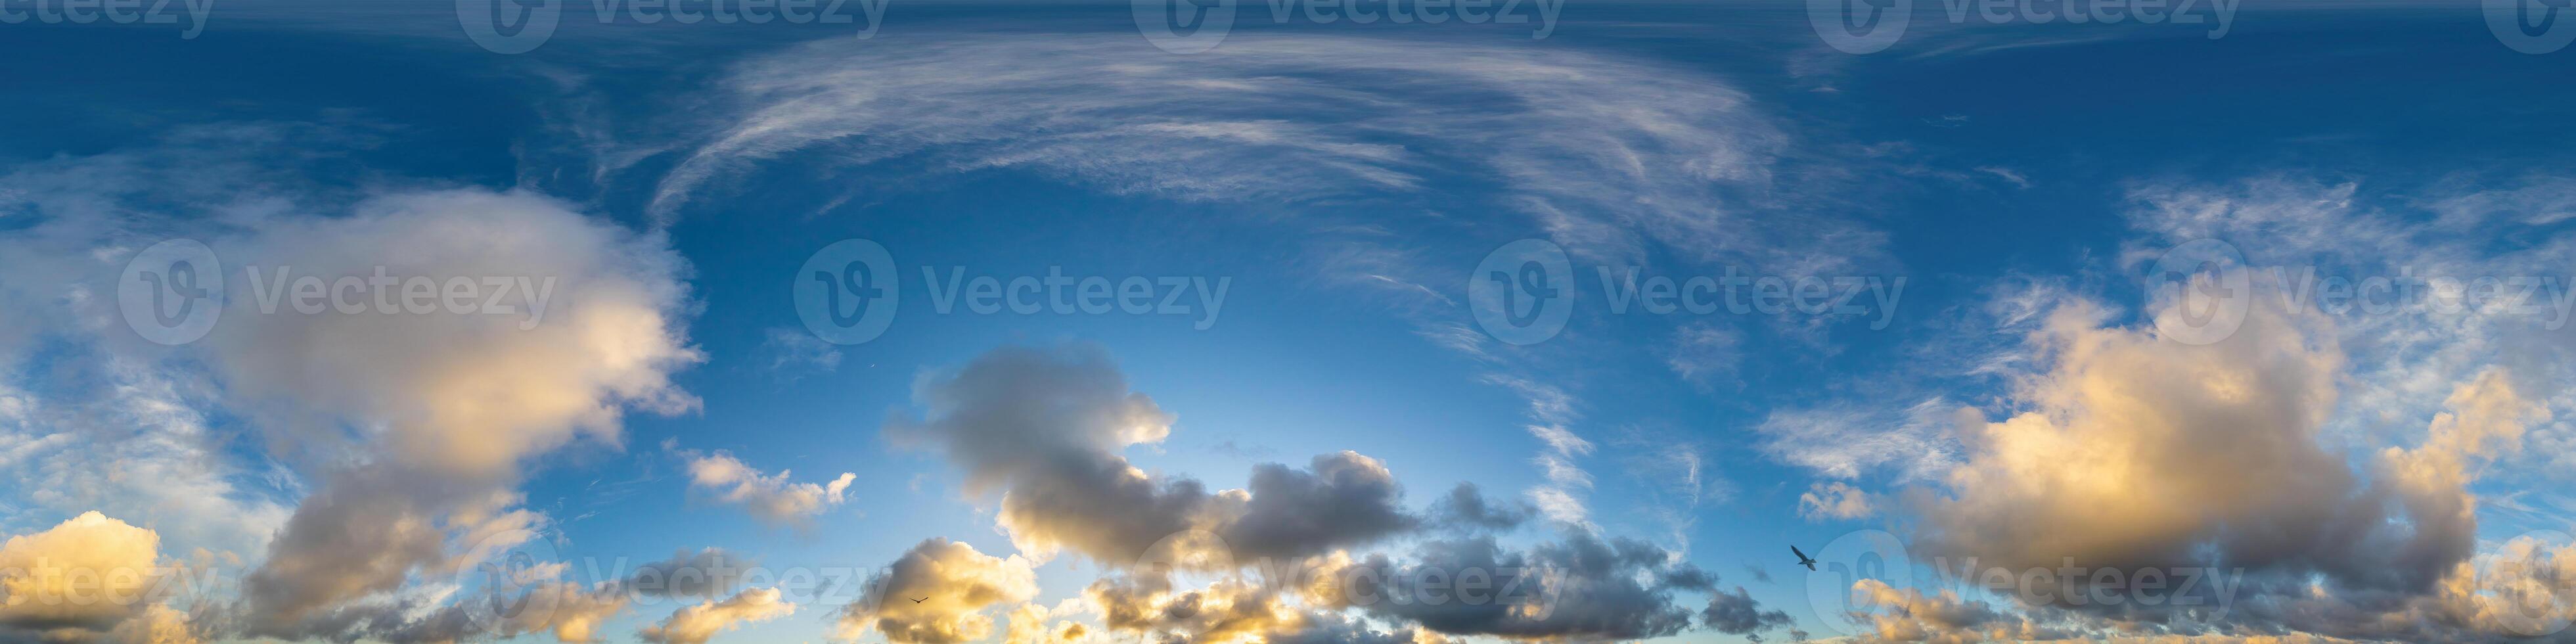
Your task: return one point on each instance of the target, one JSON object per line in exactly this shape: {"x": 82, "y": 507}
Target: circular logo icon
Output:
{"x": 1836, "y": 570}
{"x": 502, "y": 579}
{"x": 172, "y": 292}
{"x": 1860, "y": 26}
{"x": 2202, "y": 289}
{"x": 1523, "y": 292}
{"x": 1184, "y": 26}
{"x": 509, "y": 26}
{"x": 2532, "y": 26}
{"x": 2538, "y": 601}
{"x": 846, "y": 292}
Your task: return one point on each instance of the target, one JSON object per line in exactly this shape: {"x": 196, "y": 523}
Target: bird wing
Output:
{"x": 1802, "y": 556}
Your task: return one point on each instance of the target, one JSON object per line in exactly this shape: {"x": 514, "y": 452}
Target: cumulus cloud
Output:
{"x": 2141, "y": 450}
{"x": 1581, "y": 587}
{"x": 87, "y": 575}
{"x": 1340, "y": 499}
{"x": 768, "y": 497}
{"x": 1910, "y": 615}
{"x": 1028, "y": 625}
{"x": 1230, "y": 609}
{"x": 157, "y": 624}
{"x": 955, "y": 584}
{"x": 1044, "y": 427}
{"x": 696, "y": 623}
{"x": 2136, "y": 452}
{"x": 1737, "y": 614}
{"x": 445, "y": 407}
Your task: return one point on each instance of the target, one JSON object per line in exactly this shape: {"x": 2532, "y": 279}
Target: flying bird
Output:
{"x": 1803, "y": 559}
{"x": 916, "y": 601}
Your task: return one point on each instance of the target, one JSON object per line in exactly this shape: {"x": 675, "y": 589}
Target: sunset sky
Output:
{"x": 1007, "y": 322}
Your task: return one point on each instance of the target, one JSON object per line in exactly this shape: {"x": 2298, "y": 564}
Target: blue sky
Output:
{"x": 2027, "y": 375}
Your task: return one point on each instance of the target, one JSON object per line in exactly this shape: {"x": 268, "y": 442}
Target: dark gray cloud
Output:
{"x": 1580, "y": 587}
{"x": 1342, "y": 499}
{"x": 1466, "y": 508}
{"x": 709, "y": 574}
{"x": 1737, "y": 614}
{"x": 1044, "y": 427}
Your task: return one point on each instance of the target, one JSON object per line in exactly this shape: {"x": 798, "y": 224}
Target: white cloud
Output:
{"x": 1835, "y": 500}
{"x": 1847, "y": 440}
{"x": 953, "y": 582}
{"x": 1603, "y": 152}
{"x": 697, "y": 623}
{"x": 771, "y": 498}
{"x": 89, "y": 573}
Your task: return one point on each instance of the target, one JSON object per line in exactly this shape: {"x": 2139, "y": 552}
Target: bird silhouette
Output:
{"x": 1803, "y": 559}
{"x": 916, "y": 601}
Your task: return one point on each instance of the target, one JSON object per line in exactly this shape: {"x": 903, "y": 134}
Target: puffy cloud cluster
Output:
{"x": 2136, "y": 452}
{"x": 410, "y": 424}
{"x": 1582, "y": 587}
{"x": 696, "y": 623}
{"x": 1044, "y": 426}
{"x": 87, "y": 578}
{"x": 1737, "y": 614}
{"x": 1029, "y": 625}
{"x": 2142, "y": 452}
{"x": 1910, "y": 615}
{"x": 954, "y": 583}
{"x": 1231, "y": 609}
{"x": 445, "y": 407}
{"x": 771, "y": 498}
